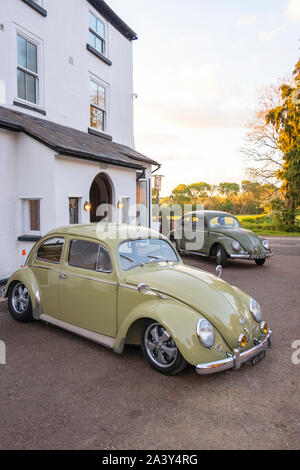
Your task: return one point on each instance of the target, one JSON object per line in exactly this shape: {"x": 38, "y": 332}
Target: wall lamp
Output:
{"x": 87, "y": 206}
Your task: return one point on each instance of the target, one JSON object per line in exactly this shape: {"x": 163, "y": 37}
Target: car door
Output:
{"x": 46, "y": 268}
{"x": 88, "y": 290}
{"x": 195, "y": 233}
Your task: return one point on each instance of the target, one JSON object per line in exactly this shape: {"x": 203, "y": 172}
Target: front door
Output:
{"x": 88, "y": 292}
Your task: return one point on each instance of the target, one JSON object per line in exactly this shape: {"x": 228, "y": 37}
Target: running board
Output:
{"x": 91, "y": 335}
{"x": 194, "y": 253}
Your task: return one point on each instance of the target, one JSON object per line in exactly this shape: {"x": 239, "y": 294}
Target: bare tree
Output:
{"x": 261, "y": 147}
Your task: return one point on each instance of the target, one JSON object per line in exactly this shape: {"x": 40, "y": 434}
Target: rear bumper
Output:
{"x": 235, "y": 361}
{"x": 251, "y": 256}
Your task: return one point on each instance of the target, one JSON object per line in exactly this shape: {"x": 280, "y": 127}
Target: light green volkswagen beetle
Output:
{"x": 219, "y": 234}
{"x": 120, "y": 284}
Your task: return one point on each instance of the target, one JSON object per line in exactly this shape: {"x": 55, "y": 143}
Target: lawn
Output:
{"x": 261, "y": 223}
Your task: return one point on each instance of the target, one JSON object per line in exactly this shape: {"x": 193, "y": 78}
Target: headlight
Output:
{"x": 255, "y": 309}
{"x": 266, "y": 244}
{"x": 236, "y": 246}
{"x": 205, "y": 333}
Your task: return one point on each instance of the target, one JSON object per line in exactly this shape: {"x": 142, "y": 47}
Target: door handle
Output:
{"x": 63, "y": 276}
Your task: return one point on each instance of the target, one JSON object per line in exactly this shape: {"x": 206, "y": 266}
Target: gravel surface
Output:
{"x": 59, "y": 391}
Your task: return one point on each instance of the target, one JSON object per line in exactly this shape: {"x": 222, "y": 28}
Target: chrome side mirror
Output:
{"x": 145, "y": 289}
{"x": 219, "y": 270}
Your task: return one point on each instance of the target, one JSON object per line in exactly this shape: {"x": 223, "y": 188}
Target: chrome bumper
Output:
{"x": 251, "y": 256}
{"x": 235, "y": 361}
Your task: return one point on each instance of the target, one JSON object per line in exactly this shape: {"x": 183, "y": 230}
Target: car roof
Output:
{"x": 210, "y": 214}
{"x": 107, "y": 231}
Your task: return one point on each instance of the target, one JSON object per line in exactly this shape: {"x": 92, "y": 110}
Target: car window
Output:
{"x": 89, "y": 255}
{"x": 224, "y": 222}
{"x": 138, "y": 252}
{"x": 51, "y": 250}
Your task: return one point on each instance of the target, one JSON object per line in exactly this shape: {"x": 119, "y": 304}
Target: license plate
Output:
{"x": 256, "y": 359}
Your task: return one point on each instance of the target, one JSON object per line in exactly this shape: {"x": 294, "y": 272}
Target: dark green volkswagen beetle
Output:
{"x": 219, "y": 234}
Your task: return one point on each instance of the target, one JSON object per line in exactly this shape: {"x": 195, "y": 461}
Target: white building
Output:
{"x": 66, "y": 121}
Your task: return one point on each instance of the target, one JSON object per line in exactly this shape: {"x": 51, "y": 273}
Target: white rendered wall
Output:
{"x": 29, "y": 169}
{"x": 65, "y": 87}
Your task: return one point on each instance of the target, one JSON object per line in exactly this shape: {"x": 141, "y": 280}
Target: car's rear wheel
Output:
{"x": 260, "y": 262}
{"x": 160, "y": 349}
{"x": 19, "y": 303}
{"x": 221, "y": 256}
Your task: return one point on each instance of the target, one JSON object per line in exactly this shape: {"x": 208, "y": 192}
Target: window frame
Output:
{"x": 39, "y": 43}
{"x": 98, "y": 255}
{"x": 45, "y": 241}
{"x": 97, "y": 35}
{"x": 78, "y": 209}
{"x": 97, "y": 107}
{"x": 27, "y": 71}
{"x": 26, "y": 221}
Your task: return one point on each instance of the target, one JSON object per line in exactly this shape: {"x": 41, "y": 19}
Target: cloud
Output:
{"x": 244, "y": 21}
{"x": 267, "y": 36}
{"x": 292, "y": 12}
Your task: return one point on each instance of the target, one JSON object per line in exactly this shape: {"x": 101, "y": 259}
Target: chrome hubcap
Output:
{"x": 20, "y": 298}
{"x": 160, "y": 346}
{"x": 219, "y": 256}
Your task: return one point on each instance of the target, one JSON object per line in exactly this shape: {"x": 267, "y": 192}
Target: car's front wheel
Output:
{"x": 221, "y": 256}
{"x": 160, "y": 349}
{"x": 19, "y": 303}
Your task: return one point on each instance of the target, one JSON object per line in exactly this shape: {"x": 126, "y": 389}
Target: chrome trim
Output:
{"x": 145, "y": 289}
{"x": 91, "y": 335}
{"x": 219, "y": 270}
{"x": 128, "y": 286}
{"x": 236, "y": 360}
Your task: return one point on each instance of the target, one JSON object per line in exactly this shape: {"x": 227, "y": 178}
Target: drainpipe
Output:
{"x": 158, "y": 168}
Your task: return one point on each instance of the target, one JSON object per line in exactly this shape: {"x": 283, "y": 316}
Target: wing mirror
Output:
{"x": 219, "y": 270}
{"x": 145, "y": 289}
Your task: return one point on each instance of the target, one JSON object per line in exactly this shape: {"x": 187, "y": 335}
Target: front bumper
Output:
{"x": 236, "y": 360}
{"x": 251, "y": 255}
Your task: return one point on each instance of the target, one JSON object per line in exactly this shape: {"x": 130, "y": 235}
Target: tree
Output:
{"x": 182, "y": 194}
{"x": 199, "y": 191}
{"x": 286, "y": 120}
{"x": 229, "y": 189}
{"x": 261, "y": 147}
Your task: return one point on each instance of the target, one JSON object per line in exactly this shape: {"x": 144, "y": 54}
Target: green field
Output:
{"x": 261, "y": 224}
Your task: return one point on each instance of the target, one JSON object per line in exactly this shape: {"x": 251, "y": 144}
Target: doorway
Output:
{"x": 101, "y": 192}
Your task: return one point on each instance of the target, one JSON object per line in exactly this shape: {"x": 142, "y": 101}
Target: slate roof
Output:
{"x": 72, "y": 142}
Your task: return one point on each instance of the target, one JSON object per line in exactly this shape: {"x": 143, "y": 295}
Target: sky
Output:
{"x": 199, "y": 67}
